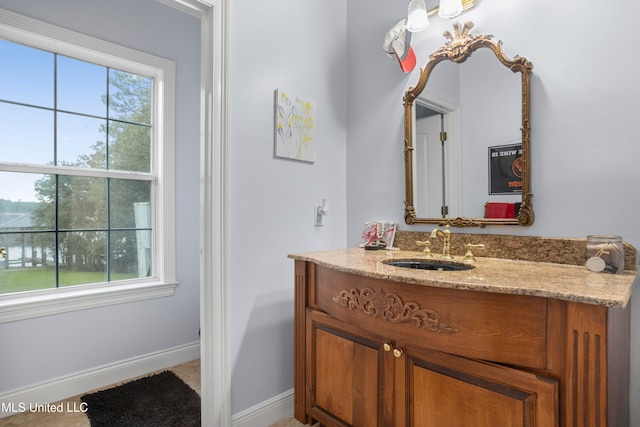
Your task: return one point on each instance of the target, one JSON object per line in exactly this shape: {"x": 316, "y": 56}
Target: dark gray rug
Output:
{"x": 161, "y": 400}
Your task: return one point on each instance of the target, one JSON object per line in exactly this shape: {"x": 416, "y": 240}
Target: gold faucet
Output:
{"x": 446, "y": 245}
{"x": 469, "y": 258}
{"x": 3, "y": 253}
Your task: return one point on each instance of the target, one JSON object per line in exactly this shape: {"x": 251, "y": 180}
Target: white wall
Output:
{"x": 584, "y": 140}
{"x": 297, "y": 46}
{"x": 42, "y": 349}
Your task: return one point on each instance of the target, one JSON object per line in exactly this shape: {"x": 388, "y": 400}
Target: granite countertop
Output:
{"x": 505, "y": 276}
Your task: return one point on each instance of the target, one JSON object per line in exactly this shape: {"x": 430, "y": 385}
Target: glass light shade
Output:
{"x": 417, "y": 19}
{"x": 450, "y": 8}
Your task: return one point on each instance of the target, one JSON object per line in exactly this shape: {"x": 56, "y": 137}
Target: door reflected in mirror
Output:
{"x": 461, "y": 114}
{"x": 437, "y": 158}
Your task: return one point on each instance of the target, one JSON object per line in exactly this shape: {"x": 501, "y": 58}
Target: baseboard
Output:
{"x": 81, "y": 382}
{"x": 266, "y": 413}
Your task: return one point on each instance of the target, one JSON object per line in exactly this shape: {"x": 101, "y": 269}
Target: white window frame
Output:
{"x": 29, "y": 304}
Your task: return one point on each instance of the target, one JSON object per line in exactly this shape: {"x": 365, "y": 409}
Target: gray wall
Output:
{"x": 41, "y": 349}
{"x": 297, "y": 46}
{"x": 584, "y": 140}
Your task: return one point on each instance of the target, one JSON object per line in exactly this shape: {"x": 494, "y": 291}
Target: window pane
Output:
{"x": 30, "y": 262}
{"x": 130, "y": 205}
{"x": 82, "y": 202}
{"x": 23, "y": 204}
{"x": 82, "y": 257}
{"x": 26, "y": 74}
{"x": 26, "y": 134}
{"x": 64, "y": 228}
{"x": 81, "y": 141}
{"x": 129, "y": 147}
{"x": 82, "y": 87}
{"x": 129, "y": 97}
{"x": 130, "y": 254}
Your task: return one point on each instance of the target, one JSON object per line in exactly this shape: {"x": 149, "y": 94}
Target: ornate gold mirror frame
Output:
{"x": 458, "y": 49}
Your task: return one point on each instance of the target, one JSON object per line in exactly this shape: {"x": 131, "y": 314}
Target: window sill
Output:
{"x": 63, "y": 300}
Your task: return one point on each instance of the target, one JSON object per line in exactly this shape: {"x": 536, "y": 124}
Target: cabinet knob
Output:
{"x": 397, "y": 352}
{"x": 387, "y": 347}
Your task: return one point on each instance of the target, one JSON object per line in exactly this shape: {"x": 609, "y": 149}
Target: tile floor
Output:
{"x": 188, "y": 372}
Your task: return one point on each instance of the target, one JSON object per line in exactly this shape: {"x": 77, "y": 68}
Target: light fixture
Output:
{"x": 418, "y": 16}
{"x": 450, "y": 8}
{"x": 417, "y": 19}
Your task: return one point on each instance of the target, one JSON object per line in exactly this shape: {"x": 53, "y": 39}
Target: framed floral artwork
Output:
{"x": 295, "y": 125}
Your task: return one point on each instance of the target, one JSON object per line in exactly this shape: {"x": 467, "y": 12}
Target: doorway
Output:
{"x": 437, "y": 189}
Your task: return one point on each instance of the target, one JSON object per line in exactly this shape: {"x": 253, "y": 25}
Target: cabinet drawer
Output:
{"x": 494, "y": 327}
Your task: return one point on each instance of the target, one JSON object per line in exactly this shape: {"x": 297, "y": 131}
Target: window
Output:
{"x": 86, "y": 180}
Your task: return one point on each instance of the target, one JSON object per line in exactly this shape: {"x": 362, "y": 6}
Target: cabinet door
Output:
{"x": 345, "y": 370}
{"x": 453, "y": 391}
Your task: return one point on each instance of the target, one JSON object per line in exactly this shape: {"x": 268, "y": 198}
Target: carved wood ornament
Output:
{"x": 391, "y": 308}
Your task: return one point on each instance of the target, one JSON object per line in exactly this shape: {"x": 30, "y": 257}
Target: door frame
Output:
{"x": 214, "y": 316}
{"x": 451, "y": 111}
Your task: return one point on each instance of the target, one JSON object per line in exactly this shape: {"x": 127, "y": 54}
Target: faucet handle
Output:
{"x": 427, "y": 247}
{"x": 468, "y": 256}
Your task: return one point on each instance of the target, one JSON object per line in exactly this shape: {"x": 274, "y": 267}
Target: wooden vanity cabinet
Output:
{"x": 356, "y": 380}
{"x": 372, "y": 352}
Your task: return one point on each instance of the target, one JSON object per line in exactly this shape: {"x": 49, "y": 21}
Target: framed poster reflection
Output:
{"x": 505, "y": 169}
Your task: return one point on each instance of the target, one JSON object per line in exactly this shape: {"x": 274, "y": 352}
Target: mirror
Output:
{"x": 466, "y": 146}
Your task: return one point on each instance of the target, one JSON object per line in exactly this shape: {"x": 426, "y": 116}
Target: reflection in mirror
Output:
{"x": 437, "y": 157}
{"x": 467, "y": 136}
